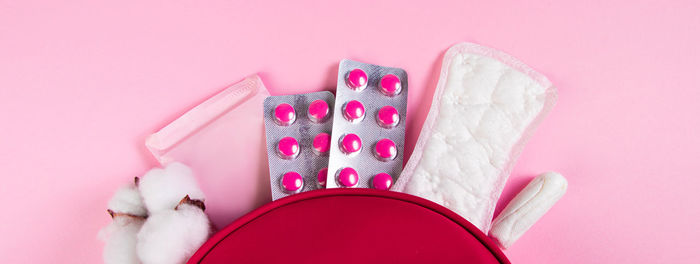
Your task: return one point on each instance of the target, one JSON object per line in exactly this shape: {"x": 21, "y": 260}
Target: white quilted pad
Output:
{"x": 485, "y": 106}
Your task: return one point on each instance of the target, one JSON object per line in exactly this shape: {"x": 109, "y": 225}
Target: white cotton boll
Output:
{"x": 120, "y": 240}
{"x": 173, "y": 230}
{"x": 172, "y": 236}
{"x": 127, "y": 211}
{"x": 162, "y": 189}
{"x": 127, "y": 200}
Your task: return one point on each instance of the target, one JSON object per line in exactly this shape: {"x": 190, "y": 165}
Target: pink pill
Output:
{"x": 382, "y": 181}
{"x": 322, "y": 143}
{"x": 385, "y": 150}
{"x": 388, "y": 117}
{"x": 347, "y": 177}
{"x": 390, "y": 85}
{"x": 285, "y": 115}
{"x": 354, "y": 111}
{"x": 292, "y": 182}
{"x": 350, "y": 144}
{"x": 288, "y": 148}
{"x": 356, "y": 79}
{"x": 318, "y": 111}
{"x": 322, "y": 176}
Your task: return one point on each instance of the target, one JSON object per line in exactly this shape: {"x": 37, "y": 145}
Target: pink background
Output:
{"x": 83, "y": 83}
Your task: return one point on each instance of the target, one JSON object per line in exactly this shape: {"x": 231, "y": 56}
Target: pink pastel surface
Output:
{"x": 83, "y": 83}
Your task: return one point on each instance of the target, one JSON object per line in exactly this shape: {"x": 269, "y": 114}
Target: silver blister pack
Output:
{"x": 298, "y": 132}
{"x": 367, "y": 142}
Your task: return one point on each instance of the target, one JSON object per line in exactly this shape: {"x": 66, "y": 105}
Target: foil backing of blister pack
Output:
{"x": 369, "y": 130}
{"x": 307, "y": 163}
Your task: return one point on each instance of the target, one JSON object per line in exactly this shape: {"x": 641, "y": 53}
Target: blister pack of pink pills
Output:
{"x": 368, "y": 129}
{"x": 298, "y": 132}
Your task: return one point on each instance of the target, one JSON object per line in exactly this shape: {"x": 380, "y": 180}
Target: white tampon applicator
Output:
{"x": 527, "y": 207}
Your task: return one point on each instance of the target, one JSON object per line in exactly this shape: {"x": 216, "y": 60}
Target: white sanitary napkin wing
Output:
{"x": 485, "y": 106}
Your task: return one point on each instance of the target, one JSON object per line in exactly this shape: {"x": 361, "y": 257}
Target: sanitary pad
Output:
{"x": 486, "y": 104}
{"x": 209, "y": 139}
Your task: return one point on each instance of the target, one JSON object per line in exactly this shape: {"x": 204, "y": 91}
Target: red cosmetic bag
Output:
{"x": 350, "y": 226}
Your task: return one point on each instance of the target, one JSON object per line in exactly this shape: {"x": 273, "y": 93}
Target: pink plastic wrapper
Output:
{"x": 220, "y": 139}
